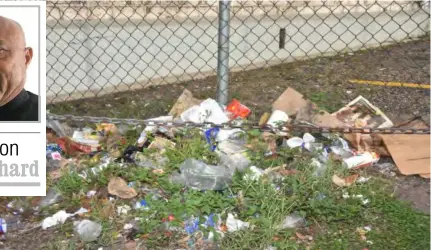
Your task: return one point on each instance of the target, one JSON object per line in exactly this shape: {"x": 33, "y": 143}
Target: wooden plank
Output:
{"x": 411, "y": 153}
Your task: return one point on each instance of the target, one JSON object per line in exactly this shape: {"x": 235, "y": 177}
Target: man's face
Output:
{"x": 14, "y": 59}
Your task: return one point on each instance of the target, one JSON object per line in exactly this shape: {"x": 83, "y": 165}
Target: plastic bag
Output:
{"x": 201, "y": 176}
{"x": 88, "y": 230}
{"x": 232, "y": 155}
{"x": 208, "y": 111}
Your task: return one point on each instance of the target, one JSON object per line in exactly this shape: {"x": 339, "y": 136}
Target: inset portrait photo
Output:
{"x": 20, "y": 63}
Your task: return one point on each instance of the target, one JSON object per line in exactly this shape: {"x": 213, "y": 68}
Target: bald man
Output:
{"x": 16, "y": 104}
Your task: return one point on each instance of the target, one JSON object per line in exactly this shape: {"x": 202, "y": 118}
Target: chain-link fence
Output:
{"x": 132, "y": 59}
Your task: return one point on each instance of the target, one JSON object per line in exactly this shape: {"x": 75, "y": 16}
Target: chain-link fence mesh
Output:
{"x": 133, "y": 59}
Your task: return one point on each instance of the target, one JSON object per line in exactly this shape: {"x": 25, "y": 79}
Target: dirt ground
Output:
{"x": 324, "y": 80}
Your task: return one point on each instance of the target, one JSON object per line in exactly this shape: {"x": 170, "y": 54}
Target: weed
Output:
{"x": 70, "y": 183}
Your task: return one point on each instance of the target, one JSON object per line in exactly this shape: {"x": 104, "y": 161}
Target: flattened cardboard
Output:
{"x": 427, "y": 176}
{"x": 293, "y": 103}
{"x": 290, "y": 102}
{"x": 411, "y": 153}
{"x": 361, "y": 111}
{"x": 184, "y": 102}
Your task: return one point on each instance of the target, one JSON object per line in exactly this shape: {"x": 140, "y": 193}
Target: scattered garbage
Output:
{"x": 236, "y": 109}
{"x": 198, "y": 175}
{"x": 128, "y": 226}
{"x": 361, "y": 113}
{"x": 364, "y": 160}
{"x": 207, "y": 111}
{"x": 235, "y": 224}
{"x": 184, "y": 102}
{"x": 362, "y": 179}
{"x": 292, "y": 221}
{"x": 386, "y": 168}
{"x": 362, "y": 231}
{"x": 277, "y": 118}
{"x": 119, "y": 187}
{"x": 308, "y": 142}
{"x": 123, "y": 210}
{"x": 191, "y": 225}
{"x": 106, "y": 145}
{"x": 255, "y": 174}
{"x": 58, "y": 218}
{"x": 52, "y": 197}
{"x": 356, "y": 196}
{"x": 344, "y": 182}
{"x": 88, "y": 230}
{"x": 3, "y": 228}
{"x": 141, "y": 205}
{"x": 91, "y": 193}
{"x": 233, "y": 155}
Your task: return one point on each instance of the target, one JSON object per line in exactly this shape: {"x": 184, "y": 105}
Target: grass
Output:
{"x": 330, "y": 220}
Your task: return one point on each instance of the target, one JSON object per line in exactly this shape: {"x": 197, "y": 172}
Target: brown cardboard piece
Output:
{"x": 184, "y": 102}
{"x": 374, "y": 142}
{"x": 411, "y": 153}
{"x": 362, "y": 113}
{"x": 427, "y": 176}
{"x": 293, "y": 103}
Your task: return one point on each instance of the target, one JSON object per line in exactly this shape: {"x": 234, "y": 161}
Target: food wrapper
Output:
{"x": 236, "y": 109}
{"x": 72, "y": 147}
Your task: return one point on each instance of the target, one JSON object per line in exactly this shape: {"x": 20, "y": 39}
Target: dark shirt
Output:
{"x": 24, "y": 107}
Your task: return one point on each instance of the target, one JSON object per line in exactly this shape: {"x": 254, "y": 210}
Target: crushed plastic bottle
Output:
{"x": 361, "y": 161}
{"x": 238, "y": 161}
{"x": 292, "y": 221}
{"x": 88, "y": 230}
{"x": 201, "y": 176}
{"x": 232, "y": 155}
{"x": 52, "y": 196}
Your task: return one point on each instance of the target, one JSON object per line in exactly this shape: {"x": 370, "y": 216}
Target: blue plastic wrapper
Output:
{"x": 210, "y": 136}
{"x": 210, "y": 221}
{"x": 191, "y": 225}
{"x": 50, "y": 148}
{"x": 141, "y": 205}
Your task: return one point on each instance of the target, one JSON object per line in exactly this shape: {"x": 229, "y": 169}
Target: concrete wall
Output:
{"x": 114, "y": 46}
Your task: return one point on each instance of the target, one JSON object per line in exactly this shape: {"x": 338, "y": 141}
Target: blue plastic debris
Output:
{"x": 141, "y": 204}
{"x": 52, "y": 147}
{"x": 191, "y": 225}
{"x": 210, "y": 221}
{"x": 3, "y": 228}
{"x": 210, "y": 136}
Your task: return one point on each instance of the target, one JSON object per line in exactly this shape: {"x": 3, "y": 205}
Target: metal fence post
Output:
{"x": 223, "y": 52}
